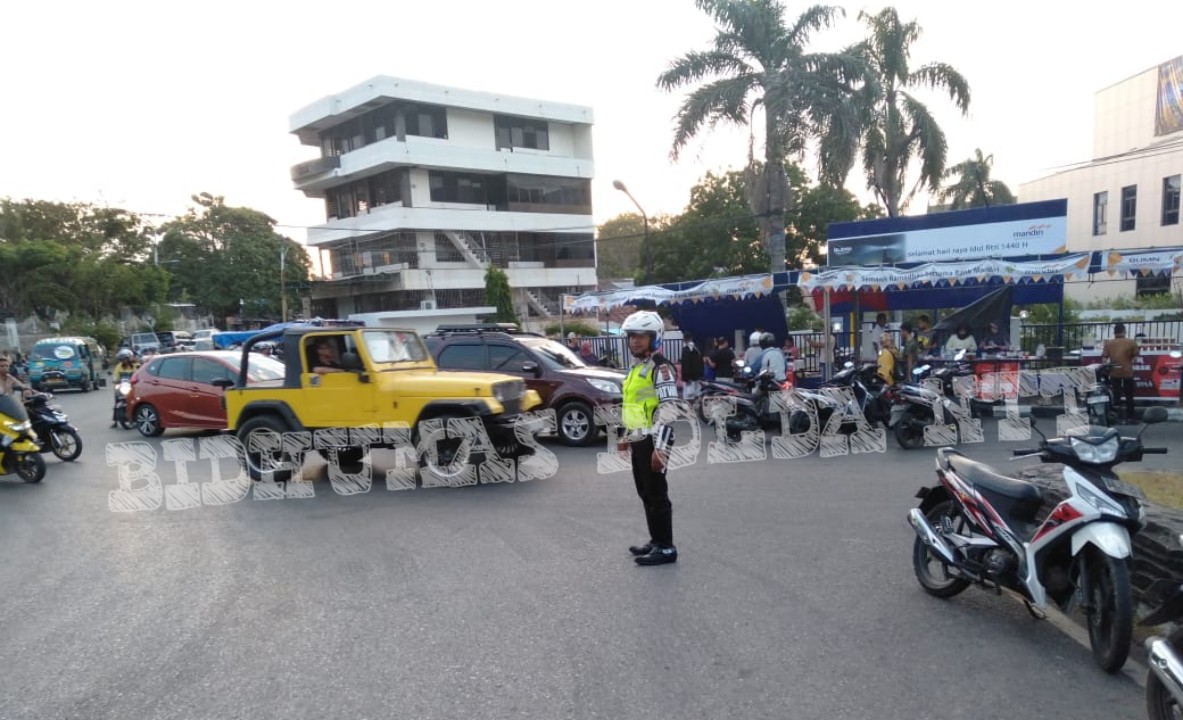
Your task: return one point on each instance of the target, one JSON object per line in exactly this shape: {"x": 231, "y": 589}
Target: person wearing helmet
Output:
{"x": 751, "y": 356}
{"x": 652, "y": 381}
{"x": 773, "y": 359}
{"x": 125, "y": 362}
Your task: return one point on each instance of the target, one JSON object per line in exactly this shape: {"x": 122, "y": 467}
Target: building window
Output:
{"x": 1152, "y": 285}
{"x": 458, "y": 188}
{"x": 1100, "y": 212}
{"x": 1129, "y": 207}
{"x": 539, "y": 193}
{"x": 515, "y": 132}
{"x": 1170, "y": 200}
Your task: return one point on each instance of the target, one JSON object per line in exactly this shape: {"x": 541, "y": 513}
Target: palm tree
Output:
{"x": 900, "y": 128}
{"x": 973, "y": 186}
{"x": 758, "y": 62}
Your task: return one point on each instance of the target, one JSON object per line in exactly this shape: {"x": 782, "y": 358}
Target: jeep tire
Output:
{"x": 261, "y": 424}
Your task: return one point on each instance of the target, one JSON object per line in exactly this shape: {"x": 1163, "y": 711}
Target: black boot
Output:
{"x": 659, "y": 556}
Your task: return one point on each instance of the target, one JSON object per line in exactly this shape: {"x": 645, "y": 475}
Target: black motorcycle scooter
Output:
{"x": 53, "y": 428}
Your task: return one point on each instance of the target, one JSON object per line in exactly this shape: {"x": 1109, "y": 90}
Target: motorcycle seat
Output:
{"x": 982, "y": 475}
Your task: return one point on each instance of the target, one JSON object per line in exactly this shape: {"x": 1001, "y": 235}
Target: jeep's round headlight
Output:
{"x": 507, "y": 391}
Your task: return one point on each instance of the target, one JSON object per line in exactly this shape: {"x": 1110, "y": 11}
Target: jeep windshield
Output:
{"x": 553, "y": 354}
{"x": 394, "y": 346}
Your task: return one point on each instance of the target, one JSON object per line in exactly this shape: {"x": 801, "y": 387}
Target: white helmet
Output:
{"x": 645, "y": 321}
{"x": 754, "y": 339}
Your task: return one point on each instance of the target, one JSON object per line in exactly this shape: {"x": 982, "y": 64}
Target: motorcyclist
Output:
{"x": 751, "y": 356}
{"x": 125, "y": 362}
{"x": 772, "y": 358}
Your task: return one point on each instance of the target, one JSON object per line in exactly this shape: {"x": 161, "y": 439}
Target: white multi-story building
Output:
{"x": 1127, "y": 196}
{"x": 425, "y": 186}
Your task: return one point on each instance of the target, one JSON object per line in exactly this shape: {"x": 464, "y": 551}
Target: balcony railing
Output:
{"x": 315, "y": 167}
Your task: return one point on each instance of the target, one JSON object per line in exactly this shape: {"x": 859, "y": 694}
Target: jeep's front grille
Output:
{"x": 512, "y": 407}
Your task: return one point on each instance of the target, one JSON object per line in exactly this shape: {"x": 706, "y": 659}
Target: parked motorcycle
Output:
{"x": 20, "y": 453}
{"x": 870, "y": 399}
{"x": 1099, "y": 397}
{"x": 53, "y": 428}
{"x": 913, "y": 403}
{"x": 719, "y": 388}
{"x": 755, "y": 410}
{"x": 1164, "y": 682}
{"x": 122, "y": 391}
{"x": 979, "y": 526}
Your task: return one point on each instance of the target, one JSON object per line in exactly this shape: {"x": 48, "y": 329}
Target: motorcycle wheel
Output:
{"x": 66, "y": 444}
{"x": 909, "y": 433}
{"x": 1160, "y": 703}
{"x": 31, "y": 467}
{"x": 941, "y": 583}
{"x": 1111, "y": 613}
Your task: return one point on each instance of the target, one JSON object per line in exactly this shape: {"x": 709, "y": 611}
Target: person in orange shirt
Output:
{"x": 1121, "y": 351}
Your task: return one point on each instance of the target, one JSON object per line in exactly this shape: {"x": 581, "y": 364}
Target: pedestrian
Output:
{"x": 1121, "y": 351}
{"x": 692, "y": 369}
{"x": 877, "y": 331}
{"x": 586, "y": 355}
{"x": 651, "y": 382}
{"x": 722, "y": 360}
{"x": 911, "y": 350}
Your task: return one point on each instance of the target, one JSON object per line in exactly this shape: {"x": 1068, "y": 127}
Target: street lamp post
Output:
{"x": 648, "y": 253}
{"x": 283, "y": 293}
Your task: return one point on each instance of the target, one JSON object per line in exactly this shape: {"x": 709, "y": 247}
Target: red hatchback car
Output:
{"x": 184, "y": 390}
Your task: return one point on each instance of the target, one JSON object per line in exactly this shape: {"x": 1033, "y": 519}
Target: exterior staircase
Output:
{"x": 539, "y": 304}
{"x": 473, "y": 252}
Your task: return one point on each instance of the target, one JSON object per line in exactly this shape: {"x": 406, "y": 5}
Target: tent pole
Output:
{"x": 1060, "y": 322}
{"x": 827, "y": 334}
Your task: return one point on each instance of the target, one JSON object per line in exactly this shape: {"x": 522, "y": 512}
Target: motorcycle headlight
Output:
{"x": 1096, "y": 454}
{"x": 604, "y": 386}
{"x": 17, "y": 427}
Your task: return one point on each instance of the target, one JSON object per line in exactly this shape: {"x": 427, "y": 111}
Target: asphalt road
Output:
{"x": 793, "y": 597}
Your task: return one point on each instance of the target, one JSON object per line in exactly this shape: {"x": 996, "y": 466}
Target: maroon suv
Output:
{"x": 566, "y": 384}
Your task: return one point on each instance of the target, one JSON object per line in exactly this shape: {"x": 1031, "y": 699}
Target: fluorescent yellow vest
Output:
{"x": 639, "y": 398}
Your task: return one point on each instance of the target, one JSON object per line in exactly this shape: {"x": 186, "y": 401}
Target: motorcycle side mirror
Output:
{"x": 1035, "y": 427}
{"x": 1154, "y": 415}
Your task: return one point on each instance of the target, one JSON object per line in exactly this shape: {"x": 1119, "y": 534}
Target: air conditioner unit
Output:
{"x": 427, "y": 305}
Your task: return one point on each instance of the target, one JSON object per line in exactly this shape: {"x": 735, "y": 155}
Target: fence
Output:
{"x": 1055, "y": 338}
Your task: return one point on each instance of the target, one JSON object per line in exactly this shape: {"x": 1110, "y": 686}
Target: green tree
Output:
{"x": 972, "y": 187}
{"x": 73, "y": 257}
{"x": 898, "y": 128}
{"x": 499, "y": 295}
{"x": 619, "y": 244}
{"x": 227, "y": 259}
{"x": 717, "y": 236}
{"x": 758, "y": 62}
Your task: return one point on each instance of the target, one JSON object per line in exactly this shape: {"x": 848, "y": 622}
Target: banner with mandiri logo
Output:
{"x": 1007, "y": 231}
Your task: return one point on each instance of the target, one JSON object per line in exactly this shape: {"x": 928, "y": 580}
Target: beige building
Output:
{"x": 1127, "y": 196}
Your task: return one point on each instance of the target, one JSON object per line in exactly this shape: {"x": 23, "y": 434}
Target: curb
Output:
{"x": 1174, "y": 414}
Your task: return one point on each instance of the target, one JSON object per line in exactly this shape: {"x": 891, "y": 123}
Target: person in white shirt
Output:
{"x": 877, "y": 331}
{"x": 961, "y": 341}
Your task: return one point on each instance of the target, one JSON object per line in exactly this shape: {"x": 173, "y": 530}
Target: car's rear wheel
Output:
{"x": 577, "y": 424}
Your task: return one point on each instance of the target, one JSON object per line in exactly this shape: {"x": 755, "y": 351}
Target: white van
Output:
{"x": 143, "y": 341}
{"x": 204, "y": 339}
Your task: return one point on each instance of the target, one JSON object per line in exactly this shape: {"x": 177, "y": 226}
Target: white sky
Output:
{"x": 142, "y": 104}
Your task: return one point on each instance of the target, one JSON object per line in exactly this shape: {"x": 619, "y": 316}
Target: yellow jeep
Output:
{"x": 350, "y": 376}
